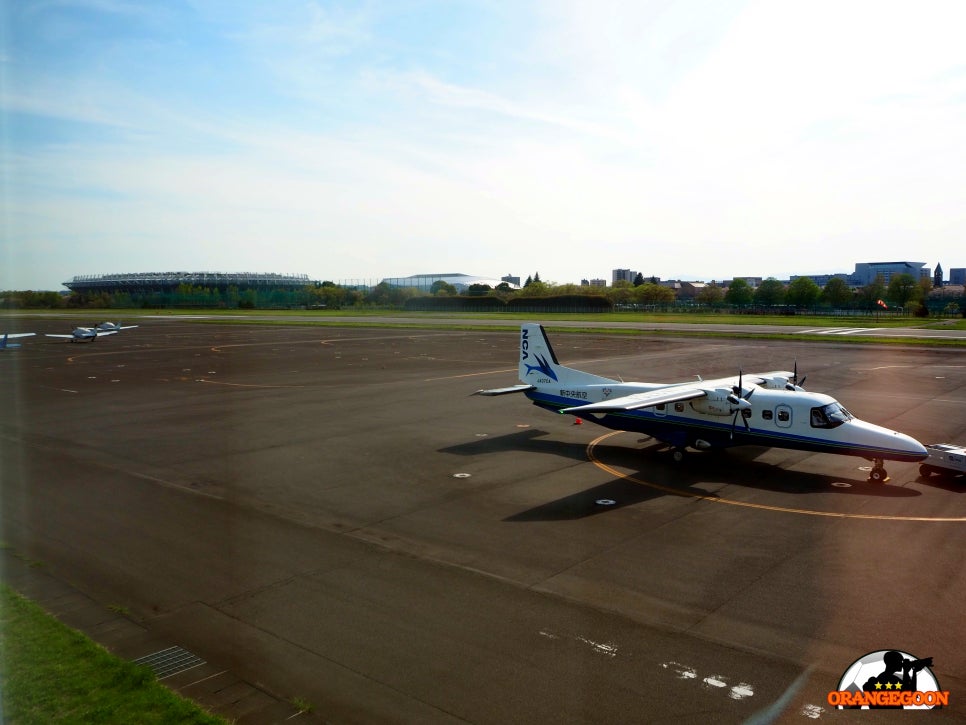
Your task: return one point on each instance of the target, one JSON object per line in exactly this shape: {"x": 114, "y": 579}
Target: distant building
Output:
{"x": 866, "y": 272}
{"x": 461, "y": 282}
{"x": 690, "y": 290}
{"x": 593, "y": 283}
{"x": 623, "y": 275}
{"x": 821, "y": 279}
{"x": 937, "y": 276}
{"x": 511, "y": 280}
{"x": 957, "y": 275}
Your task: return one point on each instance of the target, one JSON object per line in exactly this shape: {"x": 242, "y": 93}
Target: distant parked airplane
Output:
{"x": 704, "y": 414}
{"x": 113, "y": 327}
{"x": 4, "y": 344}
{"x": 81, "y": 334}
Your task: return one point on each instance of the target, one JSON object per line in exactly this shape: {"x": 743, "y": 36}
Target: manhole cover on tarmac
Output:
{"x": 605, "y": 502}
{"x": 462, "y": 475}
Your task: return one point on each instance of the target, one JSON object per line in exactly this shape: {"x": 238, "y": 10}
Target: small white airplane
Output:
{"x": 773, "y": 407}
{"x": 84, "y": 333}
{"x": 113, "y": 327}
{"x": 5, "y": 345}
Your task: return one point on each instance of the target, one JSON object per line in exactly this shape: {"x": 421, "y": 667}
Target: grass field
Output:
{"x": 511, "y": 318}
{"x": 50, "y": 673}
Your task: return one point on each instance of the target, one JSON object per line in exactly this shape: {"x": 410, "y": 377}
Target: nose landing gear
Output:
{"x": 878, "y": 473}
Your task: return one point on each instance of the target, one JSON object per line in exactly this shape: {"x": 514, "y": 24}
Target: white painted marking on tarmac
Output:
{"x": 714, "y": 681}
{"x": 462, "y": 475}
{"x": 683, "y": 671}
{"x": 603, "y": 648}
{"x": 741, "y": 691}
{"x": 813, "y": 712}
{"x": 839, "y": 330}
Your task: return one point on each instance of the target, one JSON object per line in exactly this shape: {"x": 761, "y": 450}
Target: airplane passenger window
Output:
{"x": 767, "y": 415}
{"x": 784, "y": 416}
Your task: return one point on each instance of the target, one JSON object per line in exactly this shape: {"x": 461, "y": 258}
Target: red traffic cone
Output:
{"x": 578, "y": 421}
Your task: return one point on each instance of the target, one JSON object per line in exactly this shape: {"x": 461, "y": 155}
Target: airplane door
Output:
{"x": 783, "y": 416}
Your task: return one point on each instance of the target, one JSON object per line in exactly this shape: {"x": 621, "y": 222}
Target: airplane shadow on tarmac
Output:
{"x": 738, "y": 467}
{"x": 529, "y": 440}
{"x": 652, "y": 474}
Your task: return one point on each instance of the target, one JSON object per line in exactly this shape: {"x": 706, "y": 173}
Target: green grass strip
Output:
{"x": 50, "y": 673}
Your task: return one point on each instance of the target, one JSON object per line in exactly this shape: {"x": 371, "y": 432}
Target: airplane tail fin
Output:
{"x": 539, "y": 365}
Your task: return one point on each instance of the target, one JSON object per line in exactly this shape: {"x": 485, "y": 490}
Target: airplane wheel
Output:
{"x": 677, "y": 455}
{"x": 925, "y": 471}
{"x": 878, "y": 475}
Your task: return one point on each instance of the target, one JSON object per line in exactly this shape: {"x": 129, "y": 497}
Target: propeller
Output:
{"x": 740, "y": 399}
{"x": 795, "y": 383}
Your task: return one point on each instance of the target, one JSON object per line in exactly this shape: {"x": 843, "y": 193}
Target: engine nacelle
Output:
{"x": 720, "y": 402}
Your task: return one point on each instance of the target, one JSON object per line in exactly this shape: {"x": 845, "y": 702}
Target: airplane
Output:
{"x": 84, "y": 333}
{"x": 773, "y": 408}
{"x": 113, "y": 327}
{"x": 5, "y": 345}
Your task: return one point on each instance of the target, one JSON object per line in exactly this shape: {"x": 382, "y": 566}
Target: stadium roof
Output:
{"x": 158, "y": 281}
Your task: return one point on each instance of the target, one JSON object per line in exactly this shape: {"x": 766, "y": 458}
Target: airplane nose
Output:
{"x": 916, "y": 450}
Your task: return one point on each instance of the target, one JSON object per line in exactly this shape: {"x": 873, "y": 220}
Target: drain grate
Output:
{"x": 170, "y": 661}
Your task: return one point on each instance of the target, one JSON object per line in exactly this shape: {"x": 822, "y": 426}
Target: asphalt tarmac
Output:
{"x": 331, "y": 514}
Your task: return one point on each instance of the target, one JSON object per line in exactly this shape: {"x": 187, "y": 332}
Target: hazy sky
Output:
{"x": 692, "y": 139}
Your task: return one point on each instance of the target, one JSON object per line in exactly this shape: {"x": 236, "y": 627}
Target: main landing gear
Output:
{"x": 878, "y": 473}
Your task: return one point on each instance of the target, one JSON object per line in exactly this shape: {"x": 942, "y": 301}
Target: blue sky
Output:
{"x": 692, "y": 139}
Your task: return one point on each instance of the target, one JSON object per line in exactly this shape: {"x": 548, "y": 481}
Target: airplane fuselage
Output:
{"x": 794, "y": 419}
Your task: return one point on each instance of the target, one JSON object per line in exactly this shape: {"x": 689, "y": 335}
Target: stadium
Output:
{"x": 148, "y": 282}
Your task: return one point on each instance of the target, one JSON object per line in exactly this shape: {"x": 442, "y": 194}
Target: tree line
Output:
{"x": 903, "y": 293}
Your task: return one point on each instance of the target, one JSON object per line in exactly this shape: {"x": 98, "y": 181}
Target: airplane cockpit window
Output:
{"x": 829, "y": 416}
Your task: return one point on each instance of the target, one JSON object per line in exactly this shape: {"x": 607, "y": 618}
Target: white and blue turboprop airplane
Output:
{"x": 773, "y": 408}
{"x": 113, "y": 327}
{"x": 5, "y": 345}
{"x": 81, "y": 334}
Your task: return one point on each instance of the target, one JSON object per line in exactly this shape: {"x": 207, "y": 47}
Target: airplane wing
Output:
{"x": 672, "y": 394}
{"x": 505, "y": 391}
{"x": 47, "y": 334}
{"x": 20, "y": 334}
